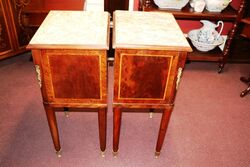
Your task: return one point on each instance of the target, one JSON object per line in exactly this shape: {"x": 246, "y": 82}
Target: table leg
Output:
{"x": 102, "y": 122}
{"x": 162, "y": 131}
{"x": 247, "y": 81}
{"x": 116, "y": 129}
{"x": 51, "y": 117}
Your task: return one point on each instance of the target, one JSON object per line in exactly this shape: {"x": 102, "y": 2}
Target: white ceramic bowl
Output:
{"x": 201, "y": 46}
{"x": 171, "y": 4}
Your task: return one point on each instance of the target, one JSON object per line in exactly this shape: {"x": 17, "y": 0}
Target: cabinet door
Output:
{"x": 75, "y": 76}
{"x": 5, "y": 35}
{"x": 147, "y": 76}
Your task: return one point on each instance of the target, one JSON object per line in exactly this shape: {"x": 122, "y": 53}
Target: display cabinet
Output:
{"x": 12, "y": 41}
{"x": 32, "y": 13}
{"x": 19, "y": 20}
{"x": 228, "y": 15}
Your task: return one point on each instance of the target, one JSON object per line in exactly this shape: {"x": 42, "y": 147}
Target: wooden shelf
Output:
{"x": 32, "y": 19}
{"x": 229, "y": 14}
{"x": 213, "y": 55}
{"x": 35, "y": 11}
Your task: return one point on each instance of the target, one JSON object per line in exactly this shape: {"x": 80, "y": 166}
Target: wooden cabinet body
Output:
{"x": 147, "y": 69}
{"x": 12, "y": 41}
{"x": 146, "y": 79}
{"x": 228, "y": 15}
{"x": 71, "y": 65}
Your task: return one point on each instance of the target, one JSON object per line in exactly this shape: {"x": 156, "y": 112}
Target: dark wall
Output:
{"x": 112, "y": 5}
{"x": 240, "y": 47}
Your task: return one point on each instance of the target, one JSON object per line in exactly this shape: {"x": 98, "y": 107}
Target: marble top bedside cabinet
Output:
{"x": 150, "y": 53}
{"x": 69, "y": 53}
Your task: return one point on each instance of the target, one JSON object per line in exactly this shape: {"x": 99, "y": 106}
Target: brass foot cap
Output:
{"x": 59, "y": 153}
{"x": 115, "y": 153}
{"x": 66, "y": 114}
{"x": 150, "y": 114}
{"x": 157, "y": 154}
{"x": 103, "y": 154}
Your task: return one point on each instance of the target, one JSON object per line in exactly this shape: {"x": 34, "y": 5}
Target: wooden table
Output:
{"x": 150, "y": 53}
{"x": 69, "y": 52}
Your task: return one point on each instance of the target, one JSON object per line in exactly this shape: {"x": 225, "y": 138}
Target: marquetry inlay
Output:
{"x": 131, "y": 73}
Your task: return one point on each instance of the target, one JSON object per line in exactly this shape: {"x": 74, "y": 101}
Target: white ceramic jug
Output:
{"x": 216, "y": 5}
{"x": 208, "y": 34}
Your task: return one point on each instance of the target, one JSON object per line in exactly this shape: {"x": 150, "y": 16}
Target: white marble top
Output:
{"x": 72, "y": 30}
{"x": 149, "y": 30}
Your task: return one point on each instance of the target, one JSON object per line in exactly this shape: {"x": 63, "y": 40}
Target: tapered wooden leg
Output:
{"x": 102, "y": 122}
{"x": 116, "y": 129}
{"x": 51, "y": 117}
{"x": 162, "y": 131}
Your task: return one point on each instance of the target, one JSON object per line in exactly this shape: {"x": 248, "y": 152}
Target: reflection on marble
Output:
{"x": 135, "y": 29}
{"x": 72, "y": 29}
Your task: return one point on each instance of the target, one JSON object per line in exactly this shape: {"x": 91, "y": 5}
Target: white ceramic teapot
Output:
{"x": 216, "y": 5}
{"x": 208, "y": 34}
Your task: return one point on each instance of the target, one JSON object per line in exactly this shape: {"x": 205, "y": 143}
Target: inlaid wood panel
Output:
{"x": 144, "y": 75}
{"x": 74, "y": 75}
{"x": 78, "y": 76}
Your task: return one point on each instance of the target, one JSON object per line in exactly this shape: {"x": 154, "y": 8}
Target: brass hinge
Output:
{"x": 38, "y": 72}
{"x": 178, "y": 77}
